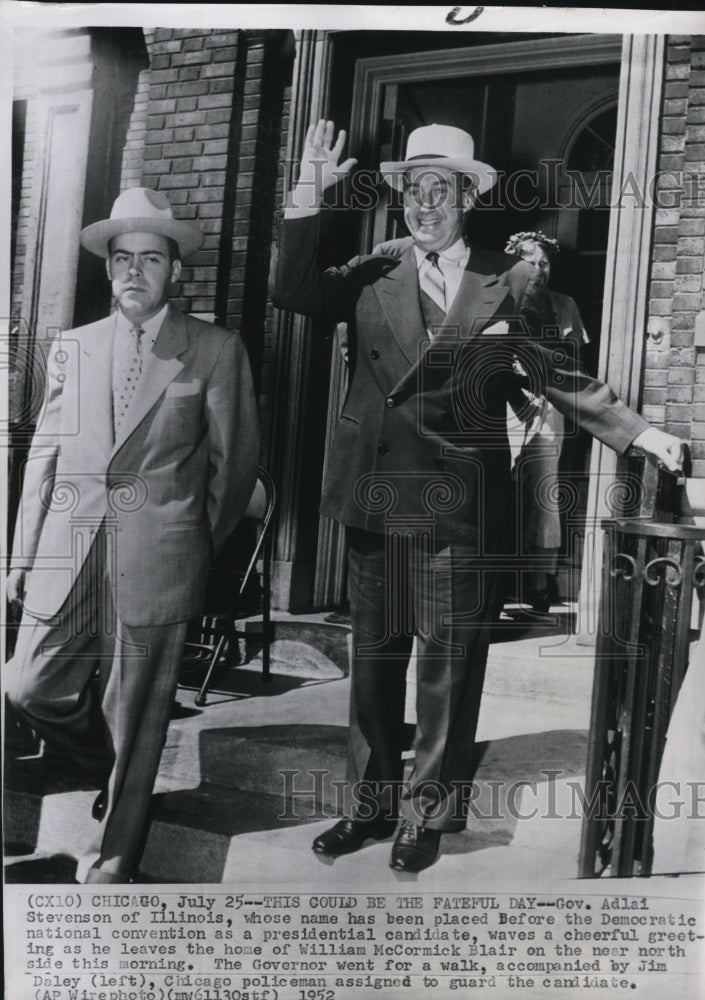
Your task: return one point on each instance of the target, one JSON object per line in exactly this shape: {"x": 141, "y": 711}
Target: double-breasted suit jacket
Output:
{"x": 168, "y": 490}
{"x": 422, "y": 431}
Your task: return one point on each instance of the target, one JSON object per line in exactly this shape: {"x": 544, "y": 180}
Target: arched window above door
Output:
{"x": 584, "y": 216}
{"x": 590, "y": 148}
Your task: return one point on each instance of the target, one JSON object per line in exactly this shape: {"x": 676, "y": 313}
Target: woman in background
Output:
{"x": 536, "y": 466}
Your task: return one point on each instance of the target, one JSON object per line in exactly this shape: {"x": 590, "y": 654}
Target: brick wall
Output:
{"x": 133, "y": 153}
{"x": 206, "y": 129}
{"x": 674, "y": 376}
{"x": 185, "y": 142}
{"x": 262, "y": 87}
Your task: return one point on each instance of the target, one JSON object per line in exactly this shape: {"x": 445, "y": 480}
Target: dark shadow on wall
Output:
{"x": 119, "y": 55}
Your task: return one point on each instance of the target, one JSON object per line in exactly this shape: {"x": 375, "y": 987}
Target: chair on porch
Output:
{"x": 237, "y": 588}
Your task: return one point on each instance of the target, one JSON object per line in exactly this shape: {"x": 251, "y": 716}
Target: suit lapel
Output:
{"x": 476, "y": 302}
{"x": 398, "y": 293}
{"x": 160, "y": 367}
{"x": 479, "y": 296}
{"x": 96, "y": 384}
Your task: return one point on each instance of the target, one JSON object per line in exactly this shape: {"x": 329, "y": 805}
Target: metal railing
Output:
{"x": 652, "y": 569}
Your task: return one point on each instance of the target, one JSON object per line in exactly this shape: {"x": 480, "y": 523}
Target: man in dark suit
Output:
{"x": 419, "y": 468}
{"x": 143, "y": 461}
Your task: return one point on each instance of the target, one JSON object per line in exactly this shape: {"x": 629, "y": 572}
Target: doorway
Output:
{"x": 544, "y": 113}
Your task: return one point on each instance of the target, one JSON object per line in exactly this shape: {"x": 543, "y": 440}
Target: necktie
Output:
{"x": 127, "y": 369}
{"x": 433, "y": 292}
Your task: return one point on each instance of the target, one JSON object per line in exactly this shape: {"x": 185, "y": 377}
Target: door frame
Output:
{"x": 374, "y": 75}
{"x": 623, "y": 332}
{"x": 625, "y": 304}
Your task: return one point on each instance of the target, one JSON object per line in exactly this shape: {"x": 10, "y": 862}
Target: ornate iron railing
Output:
{"x": 651, "y": 571}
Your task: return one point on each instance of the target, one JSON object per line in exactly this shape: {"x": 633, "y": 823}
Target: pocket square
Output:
{"x": 183, "y": 389}
{"x": 497, "y": 329}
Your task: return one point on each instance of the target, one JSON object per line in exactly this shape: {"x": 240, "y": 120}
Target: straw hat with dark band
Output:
{"x": 141, "y": 210}
{"x": 441, "y": 146}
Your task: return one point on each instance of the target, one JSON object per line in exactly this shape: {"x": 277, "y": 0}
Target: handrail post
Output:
{"x": 652, "y": 567}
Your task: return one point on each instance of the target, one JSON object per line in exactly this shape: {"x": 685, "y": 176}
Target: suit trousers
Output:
{"x": 406, "y": 584}
{"x": 115, "y": 728}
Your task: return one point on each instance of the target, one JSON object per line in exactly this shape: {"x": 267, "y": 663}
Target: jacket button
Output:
{"x": 374, "y": 353}
{"x": 382, "y": 448}
{"x": 390, "y": 402}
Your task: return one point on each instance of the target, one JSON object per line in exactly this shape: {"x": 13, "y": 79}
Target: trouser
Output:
{"x": 115, "y": 731}
{"x": 401, "y": 587}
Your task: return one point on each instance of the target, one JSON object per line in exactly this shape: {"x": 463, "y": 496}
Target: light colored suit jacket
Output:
{"x": 168, "y": 490}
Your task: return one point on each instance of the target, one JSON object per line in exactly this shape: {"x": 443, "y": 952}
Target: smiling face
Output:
{"x": 535, "y": 254}
{"x": 140, "y": 269}
{"x": 435, "y": 205}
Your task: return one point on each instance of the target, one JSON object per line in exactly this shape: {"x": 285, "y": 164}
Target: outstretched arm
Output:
{"x": 591, "y": 402}
{"x": 596, "y": 408}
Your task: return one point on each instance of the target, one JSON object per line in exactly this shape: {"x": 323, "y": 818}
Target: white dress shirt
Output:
{"x": 452, "y": 262}
{"x": 151, "y": 328}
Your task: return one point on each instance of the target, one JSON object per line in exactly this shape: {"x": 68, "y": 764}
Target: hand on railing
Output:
{"x": 664, "y": 447}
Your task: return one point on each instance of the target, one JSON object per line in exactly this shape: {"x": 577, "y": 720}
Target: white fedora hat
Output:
{"x": 441, "y": 146}
{"x": 141, "y": 210}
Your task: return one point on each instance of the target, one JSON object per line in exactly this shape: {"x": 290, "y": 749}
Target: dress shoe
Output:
{"x": 415, "y": 848}
{"x": 349, "y": 835}
{"x": 540, "y": 601}
{"x": 99, "y": 804}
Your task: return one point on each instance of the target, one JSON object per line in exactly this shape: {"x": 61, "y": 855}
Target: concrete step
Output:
{"x": 542, "y": 662}
{"x": 543, "y": 850}
{"x": 307, "y": 646}
{"x": 196, "y": 828}
{"x": 262, "y": 759}
{"x": 532, "y": 656}
{"x": 535, "y": 657}
{"x": 303, "y": 645}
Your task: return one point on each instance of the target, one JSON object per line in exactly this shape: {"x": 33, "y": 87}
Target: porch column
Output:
{"x": 300, "y": 365}
{"x": 54, "y": 79}
{"x": 54, "y": 177}
{"x": 624, "y": 332}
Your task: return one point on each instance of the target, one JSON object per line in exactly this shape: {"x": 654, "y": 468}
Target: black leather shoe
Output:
{"x": 349, "y": 835}
{"x": 541, "y": 600}
{"x": 99, "y": 804}
{"x": 415, "y": 848}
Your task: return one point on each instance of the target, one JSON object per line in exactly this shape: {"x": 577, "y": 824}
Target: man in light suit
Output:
{"x": 143, "y": 461}
{"x": 419, "y": 469}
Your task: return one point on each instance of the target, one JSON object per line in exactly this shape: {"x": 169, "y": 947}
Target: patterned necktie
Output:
{"x": 433, "y": 292}
{"x": 127, "y": 369}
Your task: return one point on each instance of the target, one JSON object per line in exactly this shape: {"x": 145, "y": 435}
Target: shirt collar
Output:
{"x": 456, "y": 255}
{"x": 150, "y": 326}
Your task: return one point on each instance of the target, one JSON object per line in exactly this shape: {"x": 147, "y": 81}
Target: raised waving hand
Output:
{"x": 320, "y": 167}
